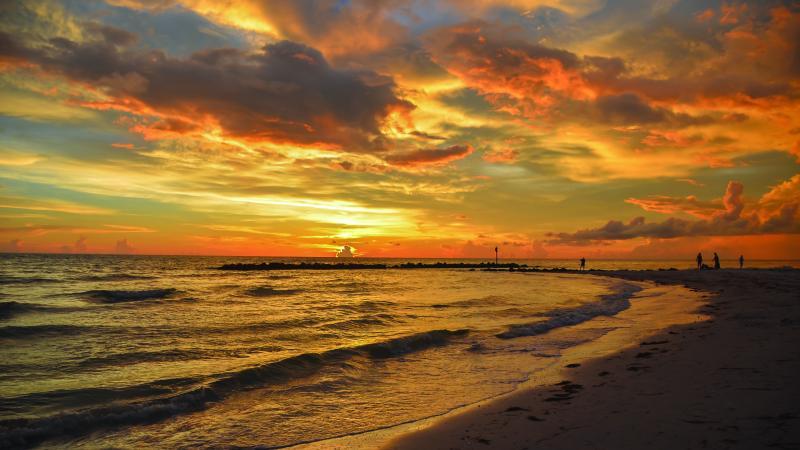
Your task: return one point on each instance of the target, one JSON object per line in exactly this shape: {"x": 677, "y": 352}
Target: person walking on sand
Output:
{"x": 741, "y": 261}
{"x": 583, "y": 263}
{"x": 716, "y": 261}
{"x": 699, "y": 261}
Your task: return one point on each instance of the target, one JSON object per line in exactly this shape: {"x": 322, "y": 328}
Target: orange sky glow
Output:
{"x": 553, "y": 129}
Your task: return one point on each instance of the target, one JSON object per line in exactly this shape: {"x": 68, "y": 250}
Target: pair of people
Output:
{"x": 700, "y": 261}
{"x": 716, "y": 261}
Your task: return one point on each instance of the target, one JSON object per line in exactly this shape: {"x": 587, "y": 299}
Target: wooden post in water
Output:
{"x": 495, "y": 256}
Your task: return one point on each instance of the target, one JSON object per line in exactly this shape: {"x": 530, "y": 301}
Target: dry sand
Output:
{"x": 727, "y": 379}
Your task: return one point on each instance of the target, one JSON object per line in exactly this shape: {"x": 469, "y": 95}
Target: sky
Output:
{"x": 401, "y": 128}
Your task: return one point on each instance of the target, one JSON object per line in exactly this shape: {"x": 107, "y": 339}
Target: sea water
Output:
{"x": 169, "y": 351}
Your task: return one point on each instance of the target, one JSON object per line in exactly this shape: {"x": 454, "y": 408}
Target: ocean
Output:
{"x": 169, "y": 351}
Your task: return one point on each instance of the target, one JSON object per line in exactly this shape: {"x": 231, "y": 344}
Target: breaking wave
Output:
{"x": 266, "y": 291}
{"x": 608, "y": 305}
{"x": 121, "y": 296}
{"x": 12, "y": 308}
{"x": 4, "y": 279}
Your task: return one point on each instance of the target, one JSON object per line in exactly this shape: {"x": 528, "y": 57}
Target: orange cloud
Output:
{"x": 501, "y": 155}
{"x": 795, "y": 150}
{"x": 430, "y": 156}
{"x": 731, "y": 221}
{"x": 671, "y": 205}
{"x": 705, "y": 16}
{"x": 523, "y": 78}
{"x": 731, "y": 14}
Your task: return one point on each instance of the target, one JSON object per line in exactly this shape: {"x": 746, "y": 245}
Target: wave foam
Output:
{"x": 608, "y": 305}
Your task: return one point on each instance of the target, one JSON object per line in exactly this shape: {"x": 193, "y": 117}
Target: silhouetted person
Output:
{"x": 583, "y": 263}
{"x": 699, "y": 261}
{"x": 741, "y": 261}
{"x": 716, "y": 261}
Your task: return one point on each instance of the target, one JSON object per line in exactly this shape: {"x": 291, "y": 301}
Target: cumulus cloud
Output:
{"x": 536, "y": 81}
{"x": 732, "y": 220}
{"x": 430, "y": 156}
{"x": 345, "y": 252}
{"x": 732, "y": 201}
{"x": 123, "y": 247}
{"x": 80, "y": 245}
{"x": 285, "y": 92}
{"x": 513, "y": 73}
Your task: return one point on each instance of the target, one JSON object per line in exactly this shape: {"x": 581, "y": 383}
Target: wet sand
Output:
{"x": 729, "y": 378}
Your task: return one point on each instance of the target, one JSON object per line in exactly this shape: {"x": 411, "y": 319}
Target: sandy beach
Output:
{"x": 726, "y": 379}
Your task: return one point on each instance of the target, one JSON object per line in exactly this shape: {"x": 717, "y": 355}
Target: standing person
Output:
{"x": 716, "y": 261}
{"x": 741, "y": 261}
{"x": 583, "y": 263}
{"x": 699, "y": 261}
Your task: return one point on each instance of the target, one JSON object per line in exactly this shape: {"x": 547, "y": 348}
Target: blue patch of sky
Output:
{"x": 84, "y": 143}
{"x": 126, "y": 205}
{"x": 424, "y": 16}
{"x": 175, "y": 30}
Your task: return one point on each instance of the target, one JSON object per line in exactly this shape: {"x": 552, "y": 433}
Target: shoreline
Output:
{"x": 652, "y": 309}
{"x": 728, "y": 382}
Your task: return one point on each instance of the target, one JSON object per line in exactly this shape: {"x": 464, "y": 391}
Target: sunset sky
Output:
{"x": 604, "y": 129}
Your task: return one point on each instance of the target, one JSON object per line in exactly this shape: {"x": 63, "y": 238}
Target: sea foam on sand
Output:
{"x": 725, "y": 379}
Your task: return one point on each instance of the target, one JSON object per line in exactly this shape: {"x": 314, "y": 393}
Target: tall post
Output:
{"x": 495, "y": 256}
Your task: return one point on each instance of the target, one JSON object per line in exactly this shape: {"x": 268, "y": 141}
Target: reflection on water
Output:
{"x": 132, "y": 351}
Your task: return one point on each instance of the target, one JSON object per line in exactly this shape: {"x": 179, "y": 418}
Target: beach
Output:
{"x": 728, "y": 380}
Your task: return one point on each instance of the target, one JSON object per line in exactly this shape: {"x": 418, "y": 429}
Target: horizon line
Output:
{"x": 691, "y": 259}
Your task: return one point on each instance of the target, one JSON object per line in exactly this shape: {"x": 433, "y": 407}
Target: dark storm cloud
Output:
{"x": 286, "y": 92}
{"x": 629, "y": 108}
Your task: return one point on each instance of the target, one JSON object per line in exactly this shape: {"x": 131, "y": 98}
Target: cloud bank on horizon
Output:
{"x": 552, "y": 128}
